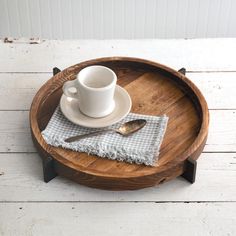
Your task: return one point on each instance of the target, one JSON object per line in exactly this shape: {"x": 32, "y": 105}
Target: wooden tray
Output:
{"x": 155, "y": 89}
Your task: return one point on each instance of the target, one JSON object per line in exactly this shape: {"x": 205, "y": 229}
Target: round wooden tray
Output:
{"x": 155, "y": 89}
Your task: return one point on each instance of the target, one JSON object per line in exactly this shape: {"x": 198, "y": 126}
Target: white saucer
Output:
{"x": 70, "y": 109}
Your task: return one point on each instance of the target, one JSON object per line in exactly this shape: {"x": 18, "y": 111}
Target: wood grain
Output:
{"x": 155, "y": 90}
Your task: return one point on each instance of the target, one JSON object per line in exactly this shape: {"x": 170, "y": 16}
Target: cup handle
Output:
{"x": 70, "y": 84}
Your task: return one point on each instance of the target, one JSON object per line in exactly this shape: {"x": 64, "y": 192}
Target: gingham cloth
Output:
{"x": 141, "y": 147}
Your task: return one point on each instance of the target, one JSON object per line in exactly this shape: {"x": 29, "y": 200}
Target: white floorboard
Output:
{"x": 133, "y": 219}
{"x": 22, "y": 180}
{"x": 193, "y": 54}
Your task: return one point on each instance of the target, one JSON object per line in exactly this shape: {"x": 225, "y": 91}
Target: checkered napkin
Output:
{"x": 141, "y": 147}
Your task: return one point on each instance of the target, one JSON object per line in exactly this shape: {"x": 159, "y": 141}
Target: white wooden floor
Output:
{"x": 28, "y": 206}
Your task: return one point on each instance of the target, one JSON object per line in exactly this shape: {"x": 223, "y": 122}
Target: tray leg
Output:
{"x": 56, "y": 70}
{"x": 191, "y": 165}
{"x": 48, "y": 170}
{"x": 182, "y": 71}
{"x": 190, "y": 170}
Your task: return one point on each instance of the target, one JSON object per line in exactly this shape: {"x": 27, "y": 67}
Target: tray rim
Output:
{"x": 51, "y": 151}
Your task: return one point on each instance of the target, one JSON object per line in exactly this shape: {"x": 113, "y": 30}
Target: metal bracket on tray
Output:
{"x": 182, "y": 71}
{"x": 191, "y": 165}
{"x": 56, "y": 70}
{"x": 48, "y": 169}
{"x": 190, "y": 170}
{"x": 48, "y": 162}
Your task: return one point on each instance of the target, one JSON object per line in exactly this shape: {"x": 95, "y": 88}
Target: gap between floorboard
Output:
{"x": 162, "y": 202}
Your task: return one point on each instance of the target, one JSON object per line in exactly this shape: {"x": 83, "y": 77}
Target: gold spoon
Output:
{"x": 125, "y": 130}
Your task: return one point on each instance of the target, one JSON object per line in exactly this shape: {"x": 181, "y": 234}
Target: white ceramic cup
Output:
{"x": 94, "y": 89}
